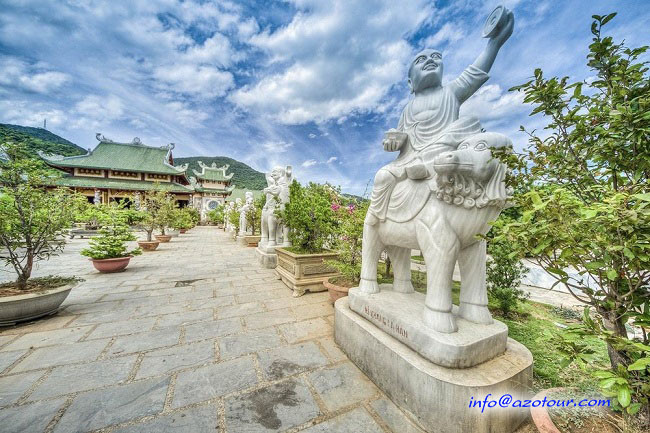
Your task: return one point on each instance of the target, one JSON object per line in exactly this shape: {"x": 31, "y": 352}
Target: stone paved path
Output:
{"x": 194, "y": 337}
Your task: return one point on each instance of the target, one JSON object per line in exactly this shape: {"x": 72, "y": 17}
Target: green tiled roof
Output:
{"x": 241, "y": 193}
{"x": 218, "y": 190}
{"x": 132, "y": 185}
{"x": 133, "y": 156}
{"x": 212, "y": 172}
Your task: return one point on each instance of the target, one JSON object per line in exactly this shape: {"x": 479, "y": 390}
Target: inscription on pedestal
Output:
{"x": 379, "y": 319}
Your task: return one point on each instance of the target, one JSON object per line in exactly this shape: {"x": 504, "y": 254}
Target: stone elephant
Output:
{"x": 444, "y": 214}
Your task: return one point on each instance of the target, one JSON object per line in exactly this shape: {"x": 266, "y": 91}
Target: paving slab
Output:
{"x": 47, "y": 338}
{"x": 33, "y": 417}
{"x": 8, "y": 358}
{"x": 176, "y": 358}
{"x": 287, "y": 361}
{"x": 214, "y": 380}
{"x": 46, "y": 357}
{"x": 14, "y": 386}
{"x": 306, "y": 330}
{"x": 97, "y": 409}
{"x": 355, "y": 421}
{"x": 195, "y": 420}
{"x": 342, "y": 385}
{"x": 393, "y": 417}
{"x": 214, "y": 329}
{"x": 252, "y": 341}
{"x": 146, "y": 341}
{"x": 75, "y": 378}
{"x": 269, "y": 318}
{"x": 277, "y": 407}
{"x": 122, "y": 327}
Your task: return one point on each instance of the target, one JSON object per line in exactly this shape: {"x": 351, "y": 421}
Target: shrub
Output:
{"x": 309, "y": 216}
{"x": 216, "y": 216}
{"x": 347, "y": 239}
{"x": 111, "y": 243}
{"x": 33, "y": 219}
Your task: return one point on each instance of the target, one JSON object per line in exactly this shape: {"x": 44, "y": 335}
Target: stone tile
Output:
{"x": 185, "y": 318}
{"x": 104, "y": 316}
{"x": 8, "y": 358}
{"x": 47, "y": 338}
{"x": 239, "y": 310}
{"x": 176, "y": 358}
{"x": 146, "y": 341}
{"x": 4, "y": 339}
{"x": 29, "y": 417}
{"x": 122, "y": 328}
{"x": 118, "y": 404}
{"x": 306, "y": 330}
{"x": 14, "y": 386}
{"x": 74, "y": 378}
{"x": 262, "y": 295}
{"x": 56, "y": 321}
{"x": 269, "y": 318}
{"x": 342, "y": 385}
{"x": 86, "y": 308}
{"x": 46, "y": 357}
{"x": 275, "y": 304}
{"x": 332, "y": 349}
{"x": 277, "y": 407}
{"x": 214, "y": 380}
{"x": 195, "y": 420}
{"x": 355, "y": 421}
{"x": 285, "y": 361}
{"x": 157, "y": 310}
{"x": 221, "y": 301}
{"x": 393, "y": 417}
{"x": 240, "y": 344}
{"x": 310, "y": 311}
{"x": 211, "y": 330}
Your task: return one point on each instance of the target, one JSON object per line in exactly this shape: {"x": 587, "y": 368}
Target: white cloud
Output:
{"x": 332, "y": 159}
{"x": 449, "y": 32}
{"x": 33, "y": 78}
{"x": 277, "y": 146}
{"x": 335, "y": 58}
{"x": 200, "y": 81}
{"x": 491, "y": 102}
{"x": 309, "y": 163}
{"x": 312, "y": 135}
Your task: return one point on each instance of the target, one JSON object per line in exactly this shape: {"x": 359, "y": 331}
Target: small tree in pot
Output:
{"x": 108, "y": 251}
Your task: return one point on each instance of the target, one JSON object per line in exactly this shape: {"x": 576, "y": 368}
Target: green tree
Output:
{"x": 347, "y": 239}
{"x": 152, "y": 207}
{"x": 588, "y": 206}
{"x": 33, "y": 219}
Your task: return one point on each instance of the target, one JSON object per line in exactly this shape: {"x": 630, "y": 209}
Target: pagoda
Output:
{"x": 122, "y": 171}
{"x": 212, "y": 186}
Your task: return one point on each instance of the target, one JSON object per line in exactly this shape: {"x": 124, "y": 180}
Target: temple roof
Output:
{"x": 212, "y": 172}
{"x": 134, "y": 156}
{"x": 120, "y": 184}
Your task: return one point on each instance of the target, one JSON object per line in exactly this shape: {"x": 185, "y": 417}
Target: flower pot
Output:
{"x": 111, "y": 265}
{"x": 251, "y": 240}
{"x": 148, "y": 245}
{"x": 183, "y": 231}
{"x": 304, "y": 272}
{"x": 19, "y": 308}
{"x": 163, "y": 238}
{"x": 173, "y": 233}
{"x": 540, "y": 415}
{"x": 335, "y": 291}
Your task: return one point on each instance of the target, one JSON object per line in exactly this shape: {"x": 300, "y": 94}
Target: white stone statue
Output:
{"x": 277, "y": 195}
{"x": 243, "y": 229}
{"x": 441, "y": 190}
{"x": 227, "y": 211}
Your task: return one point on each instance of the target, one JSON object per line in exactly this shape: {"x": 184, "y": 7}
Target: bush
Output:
{"x": 216, "y": 216}
{"x": 347, "y": 239}
{"x": 111, "y": 243}
{"x": 309, "y": 216}
{"x": 33, "y": 219}
{"x": 504, "y": 273}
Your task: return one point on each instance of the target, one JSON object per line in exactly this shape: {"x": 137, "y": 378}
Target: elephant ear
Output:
{"x": 496, "y": 193}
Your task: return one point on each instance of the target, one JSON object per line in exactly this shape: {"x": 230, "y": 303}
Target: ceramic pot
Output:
{"x": 335, "y": 291}
{"x": 148, "y": 245}
{"x": 111, "y": 265}
{"x": 163, "y": 238}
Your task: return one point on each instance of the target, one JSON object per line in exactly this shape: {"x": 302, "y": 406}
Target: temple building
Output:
{"x": 212, "y": 187}
{"x": 121, "y": 171}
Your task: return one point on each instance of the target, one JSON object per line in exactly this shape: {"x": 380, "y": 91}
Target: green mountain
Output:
{"x": 244, "y": 176}
{"x": 36, "y": 139}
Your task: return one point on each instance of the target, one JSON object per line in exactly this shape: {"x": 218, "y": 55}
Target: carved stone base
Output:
{"x": 437, "y": 397}
{"x": 400, "y": 315}
{"x": 304, "y": 272}
{"x": 268, "y": 260}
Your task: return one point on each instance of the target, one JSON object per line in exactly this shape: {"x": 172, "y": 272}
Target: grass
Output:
{"x": 534, "y": 325}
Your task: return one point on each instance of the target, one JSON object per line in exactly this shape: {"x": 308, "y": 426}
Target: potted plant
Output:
{"x": 347, "y": 243}
{"x": 233, "y": 219}
{"x": 165, "y": 217}
{"x": 310, "y": 219}
{"x": 254, "y": 222}
{"x": 181, "y": 221}
{"x": 150, "y": 205}
{"x": 108, "y": 251}
{"x": 33, "y": 222}
{"x": 216, "y": 216}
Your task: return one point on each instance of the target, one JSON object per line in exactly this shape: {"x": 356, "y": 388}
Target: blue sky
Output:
{"x": 308, "y": 83}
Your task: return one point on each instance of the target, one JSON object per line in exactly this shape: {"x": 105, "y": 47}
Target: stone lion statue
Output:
{"x": 441, "y": 215}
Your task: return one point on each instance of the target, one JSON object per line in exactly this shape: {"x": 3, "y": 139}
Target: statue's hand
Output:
{"x": 390, "y": 145}
{"x": 505, "y": 31}
{"x": 394, "y": 140}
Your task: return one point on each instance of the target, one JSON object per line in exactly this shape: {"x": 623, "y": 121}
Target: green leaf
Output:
{"x": 612, "y": 274}
{"x": 608, "y": 18}
{"x": 633, "y": 408}
{"x": 607, "y": 383}
{"x": 639, "y": 364}
{"x": 624, "y": 397}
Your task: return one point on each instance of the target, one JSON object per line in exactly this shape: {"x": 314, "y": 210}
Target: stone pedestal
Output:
{"x": 400, "y": 315}
{"x": 268, "y": 260}
{"x": 437, "y": 397}
{"x": 241, "y": 240}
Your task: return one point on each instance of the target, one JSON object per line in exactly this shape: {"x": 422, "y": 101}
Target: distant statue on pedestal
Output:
{"x": 277, "y": 195}
{"x": 243, "y": 223}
